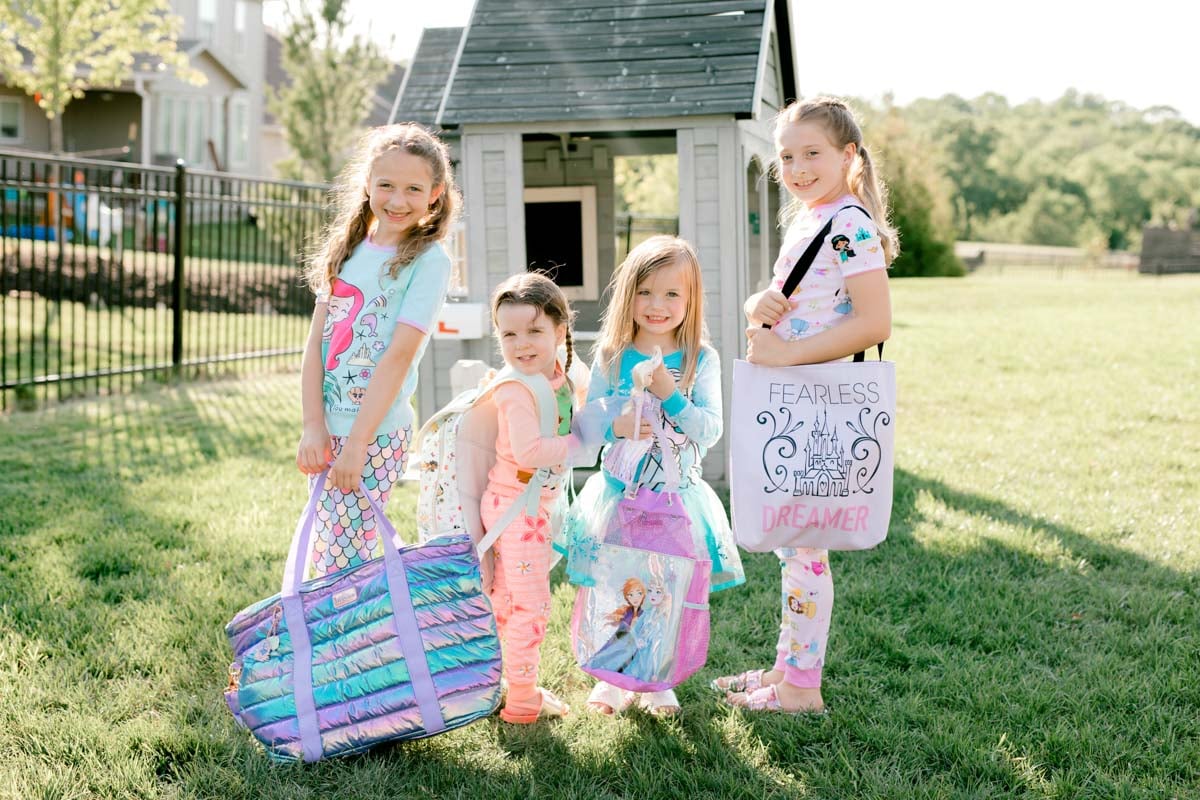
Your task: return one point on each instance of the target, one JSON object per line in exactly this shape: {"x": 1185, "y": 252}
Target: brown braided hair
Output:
{"x": 535, "y": 289}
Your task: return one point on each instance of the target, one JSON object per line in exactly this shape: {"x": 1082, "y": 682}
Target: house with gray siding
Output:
{"x": 538, "y": 101}
{"x": 155, "y": 118}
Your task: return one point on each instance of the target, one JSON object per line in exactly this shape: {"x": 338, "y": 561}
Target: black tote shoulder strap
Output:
{"x": 810, "y": 253}
{"x": 805, "y": 261}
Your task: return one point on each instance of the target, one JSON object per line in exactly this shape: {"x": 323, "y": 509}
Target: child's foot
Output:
{"x": 780, "y": 698}
{"x": 747, "y": 681}
{"x": 606, "y": 699}
{"x": 660, "y": 704}
{"x": 551, "y": 708}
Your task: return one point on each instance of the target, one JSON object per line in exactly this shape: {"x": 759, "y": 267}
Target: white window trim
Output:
{"x": 235, "y": 103}
{"x": 239, "y": 28}
{"x": 19, "y": 104}
{"x": 206, "y": 26}
{"x": 586, "y": 197}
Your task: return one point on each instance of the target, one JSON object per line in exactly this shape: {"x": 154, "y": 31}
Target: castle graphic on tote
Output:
{"x": 826, "y": 470}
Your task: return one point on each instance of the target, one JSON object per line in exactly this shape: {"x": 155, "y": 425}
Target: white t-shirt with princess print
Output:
{"x": 851, "y": 248}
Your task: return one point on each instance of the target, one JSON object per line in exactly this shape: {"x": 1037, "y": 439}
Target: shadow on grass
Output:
{"x": 973, "y": 659}
{"x": 956, "y": 666}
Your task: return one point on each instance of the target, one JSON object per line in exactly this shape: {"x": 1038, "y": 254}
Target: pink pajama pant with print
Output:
{"x": 807, "y": 612}
{"x": 520, "y": 594}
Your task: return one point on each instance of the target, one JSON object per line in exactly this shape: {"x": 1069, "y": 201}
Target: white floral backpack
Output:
{"x": 456, "y": 448}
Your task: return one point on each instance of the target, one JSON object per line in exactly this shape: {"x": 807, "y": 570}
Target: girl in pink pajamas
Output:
{"x": 532, "y": 318}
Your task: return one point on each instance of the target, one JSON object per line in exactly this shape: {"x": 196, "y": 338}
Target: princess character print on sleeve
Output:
{"x": 851, "y": 248}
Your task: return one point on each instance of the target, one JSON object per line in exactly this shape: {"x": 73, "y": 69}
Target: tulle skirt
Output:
{"x": 590, "y": 515}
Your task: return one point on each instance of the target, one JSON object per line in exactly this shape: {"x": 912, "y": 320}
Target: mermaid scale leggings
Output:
{"x": 344, "y": 533}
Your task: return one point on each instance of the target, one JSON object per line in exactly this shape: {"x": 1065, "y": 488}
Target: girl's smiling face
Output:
{"x": 635, "y": 597}
{"x": 812, "y": 167}
{"x": 400, "y": 190}
{"x": 529, "y": 339}
{"x": 661, "y": 300}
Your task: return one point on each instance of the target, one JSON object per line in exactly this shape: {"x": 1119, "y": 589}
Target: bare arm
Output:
{"x": 390, "y": 371}
{"x": 313, "y": 453}
{"x": 870, "y": 323}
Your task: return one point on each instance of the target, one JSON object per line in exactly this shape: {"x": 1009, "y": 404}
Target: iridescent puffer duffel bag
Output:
{"x": 400, "y": 647}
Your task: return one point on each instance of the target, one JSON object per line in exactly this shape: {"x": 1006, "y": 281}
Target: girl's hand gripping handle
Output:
{"x": 313, "y": 454}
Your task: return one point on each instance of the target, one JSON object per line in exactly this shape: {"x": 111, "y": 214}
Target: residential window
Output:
{"x": 239, "y": 131}
{"x": 239, "y": 28}
{"x": 206, "y": 13}
{"x": 456, "y": 247}
{"x": 560, "y": 238}
{"x": 218, "y": 132}
{"x": 179, "y": 144}
{"x": 10, "y": 120}
{"x": 199, "y": 141}
{"x": 166, "y": 119}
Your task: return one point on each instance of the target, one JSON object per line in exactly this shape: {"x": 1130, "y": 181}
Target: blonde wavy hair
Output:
{"x": 617, "y": 327}
{"x": 863, "y": 178}
{"x": 351, "y": 205}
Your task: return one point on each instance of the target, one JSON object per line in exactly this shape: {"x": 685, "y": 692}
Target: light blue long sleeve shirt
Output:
{"x": 692, "y": 420}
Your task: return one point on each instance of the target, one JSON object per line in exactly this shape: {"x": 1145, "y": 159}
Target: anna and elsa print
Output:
{"x": 635, "y": 631}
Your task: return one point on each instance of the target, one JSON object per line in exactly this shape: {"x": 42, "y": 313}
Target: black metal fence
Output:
{"x": 112, "y": 274}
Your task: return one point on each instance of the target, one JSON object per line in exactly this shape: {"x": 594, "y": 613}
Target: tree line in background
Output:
{"x": 1080, "y": 171}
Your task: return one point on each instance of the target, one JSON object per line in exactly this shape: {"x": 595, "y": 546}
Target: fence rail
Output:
{"x": 996, "y": 257}
{"x": 112, "y": 273}
{"x": 632, "y": 231}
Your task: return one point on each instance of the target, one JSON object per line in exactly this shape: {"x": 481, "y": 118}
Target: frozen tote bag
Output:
{"x": 643, "y": 624}
{"x": 811, "y": 452}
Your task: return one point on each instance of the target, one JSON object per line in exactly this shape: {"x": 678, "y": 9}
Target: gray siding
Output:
{"x": 772, "y": 94}
{"x": 603, "y": 59}
{"x": 711, "y": 217}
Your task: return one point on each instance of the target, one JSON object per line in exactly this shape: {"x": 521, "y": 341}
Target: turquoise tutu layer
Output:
{"x": 596, "y": 504}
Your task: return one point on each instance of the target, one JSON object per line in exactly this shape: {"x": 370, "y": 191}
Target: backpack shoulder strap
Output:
{"x": 543, "y": 395}
{"x": 547, "y": 405}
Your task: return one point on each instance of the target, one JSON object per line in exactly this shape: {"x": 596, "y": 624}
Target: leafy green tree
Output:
{"x": 647, "y": 186}
{"x": 1107, "y": 168}
{"x": 916, "y": 193}
{"x": 332, "y": 77}
{"x": 78, "y": 45}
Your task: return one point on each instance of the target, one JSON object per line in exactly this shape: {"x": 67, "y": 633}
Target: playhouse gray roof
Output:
{"x": 543, "y": 60}
{"x": 423, "y": 87}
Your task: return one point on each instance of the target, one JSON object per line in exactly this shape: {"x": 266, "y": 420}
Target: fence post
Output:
{"x": 177, "y": 289}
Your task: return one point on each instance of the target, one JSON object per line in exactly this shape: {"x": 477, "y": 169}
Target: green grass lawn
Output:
{"x": 1031, "y": 627}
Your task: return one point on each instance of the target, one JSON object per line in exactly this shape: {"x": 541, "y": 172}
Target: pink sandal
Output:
{"x": 765, "y": 699}
{"x": 746, "y": 681}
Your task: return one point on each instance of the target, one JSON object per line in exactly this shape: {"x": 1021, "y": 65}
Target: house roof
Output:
{"x": 545, "y": 60}
{"x": 420, "y": 96}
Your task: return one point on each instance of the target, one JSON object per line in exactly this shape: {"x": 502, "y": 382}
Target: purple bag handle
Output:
{"x": 403, "y": 613}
